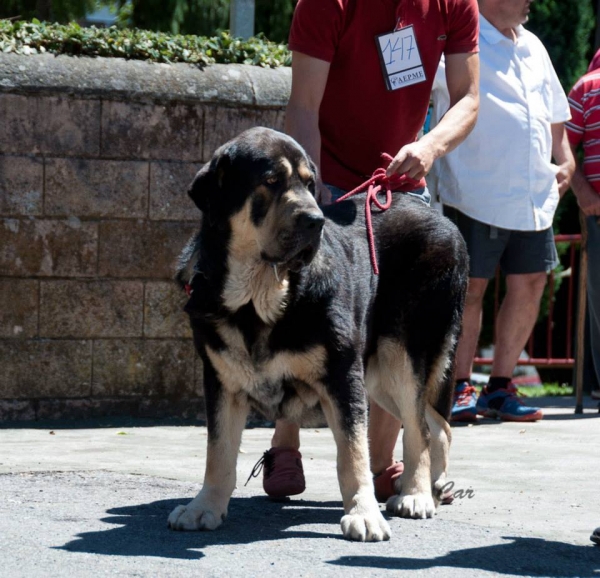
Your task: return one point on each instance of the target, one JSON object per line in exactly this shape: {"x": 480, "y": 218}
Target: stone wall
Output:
{"x": 95, "y": 159}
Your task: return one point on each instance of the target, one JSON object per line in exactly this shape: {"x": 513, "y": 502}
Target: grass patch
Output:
{"x": 547, "y": 390}
{"x": 544, "y": 390}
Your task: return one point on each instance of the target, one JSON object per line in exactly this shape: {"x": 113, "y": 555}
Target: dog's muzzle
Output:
{"x": 297, "y": 246}
{"x": 310, "y": 224}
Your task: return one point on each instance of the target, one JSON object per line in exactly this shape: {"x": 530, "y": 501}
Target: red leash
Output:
{"x": 376, "y": 183}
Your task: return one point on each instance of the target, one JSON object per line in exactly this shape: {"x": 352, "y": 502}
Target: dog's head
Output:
{"x": 261, "y": 185}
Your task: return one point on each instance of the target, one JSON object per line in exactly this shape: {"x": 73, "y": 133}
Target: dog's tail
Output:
{"x": 441, "y": 397}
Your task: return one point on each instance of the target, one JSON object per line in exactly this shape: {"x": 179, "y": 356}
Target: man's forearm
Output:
{"x": 580, "y": 184}
{"x": 462, "y": 80}
{"x": 303, "y": 125}
{"x": 561, "y": 150}
{"x": 454, "y": 126}
{"x": 587, "y": 197}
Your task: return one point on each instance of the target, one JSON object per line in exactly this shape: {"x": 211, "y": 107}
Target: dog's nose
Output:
{"x": 311, "y": 222}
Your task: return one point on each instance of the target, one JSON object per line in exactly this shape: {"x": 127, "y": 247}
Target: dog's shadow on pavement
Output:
{"x": 517, "y": 556}
{"x": 142, "y": 529}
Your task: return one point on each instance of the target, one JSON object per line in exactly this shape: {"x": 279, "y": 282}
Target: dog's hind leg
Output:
{"x": 441, "y": 437}
{"x": 401, "y": 392}
{"x": 440, "y": 388}
{"x": 226, "y": 420}
{"x": 362, "y": 520}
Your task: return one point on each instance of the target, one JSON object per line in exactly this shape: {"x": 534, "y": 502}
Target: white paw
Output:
{"x": 194, "y": 517}
{"x": 370, "y": 527}
{"x": 411, "y": 506}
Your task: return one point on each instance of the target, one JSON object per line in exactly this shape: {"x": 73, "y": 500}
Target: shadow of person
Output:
{"x": 142, "y": 529}
{"x": 517, "y": 557}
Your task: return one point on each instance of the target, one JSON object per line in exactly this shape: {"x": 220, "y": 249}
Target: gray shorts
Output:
{"x": 421, "y": 194}
{"x": 517, "y": 252}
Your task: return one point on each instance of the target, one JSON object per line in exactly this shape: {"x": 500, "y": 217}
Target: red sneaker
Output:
{"x": 283, "y": 474}
{"x": 384, "y": 484}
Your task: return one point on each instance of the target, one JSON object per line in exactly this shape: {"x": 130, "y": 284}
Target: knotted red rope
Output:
{"x": 376, "y": 183}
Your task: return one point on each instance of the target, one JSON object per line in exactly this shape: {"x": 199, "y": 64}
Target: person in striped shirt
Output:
{"x": 584, "y": 129}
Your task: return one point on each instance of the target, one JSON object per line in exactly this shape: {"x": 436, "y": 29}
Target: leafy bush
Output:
{"x": 564, "y": 28}
{"x": 53, "y": 10}
{"x": 37, "y": 37}
{"x": 204, "y": 17}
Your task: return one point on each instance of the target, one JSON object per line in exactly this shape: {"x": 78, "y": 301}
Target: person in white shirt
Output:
{"x": 501, "y": 189}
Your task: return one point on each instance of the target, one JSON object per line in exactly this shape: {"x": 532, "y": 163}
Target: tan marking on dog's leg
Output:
{"x": 399, "y": 390}
{"x": 441, "y": 436}
{"x": 363, "y": 520}
{"x": 209, "y": 508}
{"x": 374, "y": 380}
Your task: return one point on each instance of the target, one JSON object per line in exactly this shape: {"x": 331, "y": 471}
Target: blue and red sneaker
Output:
{"x": 464, "y": 408}
{"x": 505, "y": 404}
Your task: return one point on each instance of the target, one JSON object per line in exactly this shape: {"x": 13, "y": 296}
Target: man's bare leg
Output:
{"x": 516, "y": 319}
{"x": 464, "y": 404}
{"x": 286, "y": 435}
{"x": 471, "y": 327}
{"x": 384, "y": 429}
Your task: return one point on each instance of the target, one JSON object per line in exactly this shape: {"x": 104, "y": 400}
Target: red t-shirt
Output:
{"x": 584, "y": 126}
{"x": 359, "y": 118}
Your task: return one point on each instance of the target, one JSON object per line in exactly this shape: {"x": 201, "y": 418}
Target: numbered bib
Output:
{"x": 400, "y": 58}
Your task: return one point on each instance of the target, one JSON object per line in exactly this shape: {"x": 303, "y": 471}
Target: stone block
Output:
{"x": 141, "y": 248}
{"x": 222, "y": 124}
{"x": 152, "y": 131}
{"x": 33, "y": 369}
{"x": 56, "y": 125}
{"x": 274, "y": 119}
{"x": 18, "y": 308}
{"x": 162, "y": 368}
{"x": 187, "y": 409}
{"x": 271, "y": 87}
{"x": 62, "y": 247}
{"x": 169, "y": 183}
{"x": 96, "y": 188}
{"x": 16, "y": 410}
{"x": 86, "y": 309}
{"x": 163, "y": 310}
{"x": 21, "y": 185}
{"x": 52, "y": 409}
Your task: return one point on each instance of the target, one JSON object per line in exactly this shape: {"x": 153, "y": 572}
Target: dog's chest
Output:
{"x": 248, "y": 364}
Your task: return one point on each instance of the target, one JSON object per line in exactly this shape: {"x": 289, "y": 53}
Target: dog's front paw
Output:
{"x": 369, "y": 527}
{"x": 195, "y": 517}
{"x": 411, "y": 506}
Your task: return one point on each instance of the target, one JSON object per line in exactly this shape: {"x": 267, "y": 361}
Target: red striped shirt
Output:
{"x": 584, "y": 126}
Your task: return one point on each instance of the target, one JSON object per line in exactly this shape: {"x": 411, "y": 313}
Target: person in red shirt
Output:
{"x": 584, "y": 129}
{"x": 362, "y": 72}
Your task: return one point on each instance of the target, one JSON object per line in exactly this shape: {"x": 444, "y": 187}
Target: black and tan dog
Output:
{"x": 288, "y": 316}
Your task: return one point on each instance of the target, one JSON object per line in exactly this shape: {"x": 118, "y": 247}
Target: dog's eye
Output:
{"x": 272, "y": 181}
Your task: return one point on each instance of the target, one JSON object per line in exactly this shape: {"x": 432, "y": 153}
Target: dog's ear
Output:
{"x": 209, "y": 180}
{"x": 203, "y": 183}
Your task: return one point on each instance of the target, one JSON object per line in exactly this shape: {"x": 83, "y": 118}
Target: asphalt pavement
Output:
{"x": 88, "y": 499}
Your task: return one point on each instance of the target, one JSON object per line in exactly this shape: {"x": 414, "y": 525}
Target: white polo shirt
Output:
{"x": 502, "y": 173}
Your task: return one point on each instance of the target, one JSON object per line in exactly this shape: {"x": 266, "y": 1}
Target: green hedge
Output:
{"x": 39, "y": 37}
